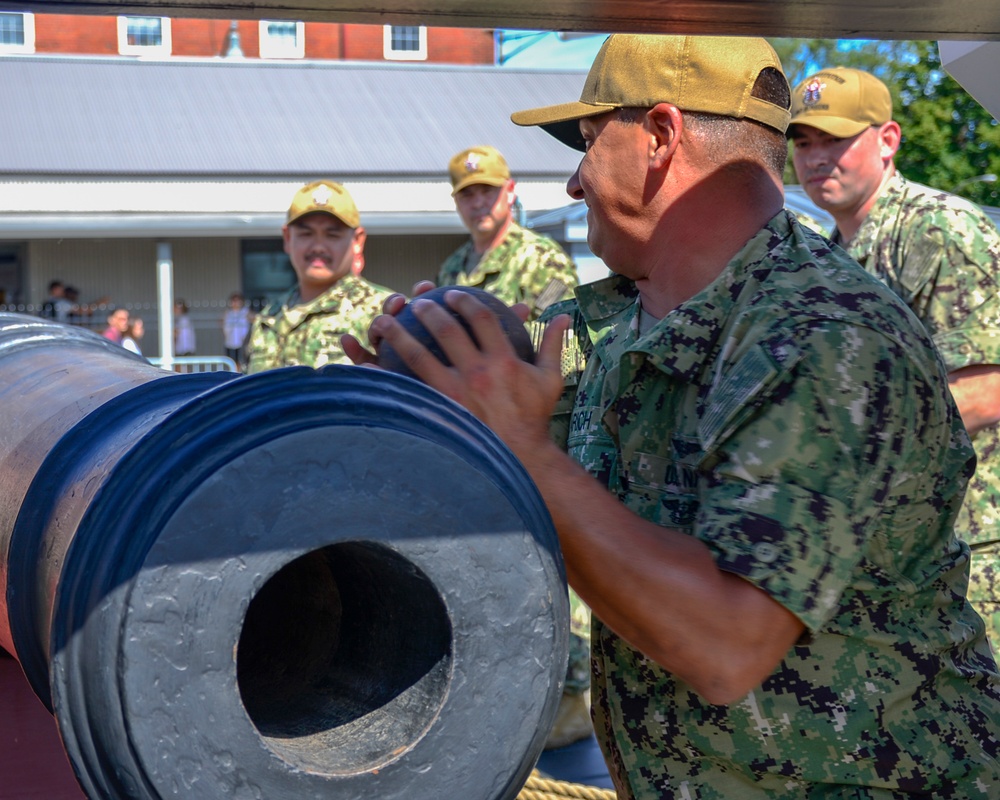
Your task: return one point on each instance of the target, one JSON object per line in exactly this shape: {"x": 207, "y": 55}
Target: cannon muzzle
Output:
{"x": 308, "y": 584}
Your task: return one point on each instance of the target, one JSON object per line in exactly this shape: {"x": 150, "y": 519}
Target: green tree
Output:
{"x": 949, "y": 140}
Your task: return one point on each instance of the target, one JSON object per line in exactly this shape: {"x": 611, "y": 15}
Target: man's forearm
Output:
{"x": 976, "y": 391}
{"x": 660, "y": 589}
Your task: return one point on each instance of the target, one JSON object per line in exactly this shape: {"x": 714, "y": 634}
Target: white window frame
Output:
{"x": 404, "y": 55}
{"x": 271, "y": 47}
{"x": 28, "y": 46}
{"x": 164, "y": 48}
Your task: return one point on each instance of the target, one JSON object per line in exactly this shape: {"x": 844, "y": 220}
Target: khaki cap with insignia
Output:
{"x": 841, "y": 101}
{"x": 326, "y": 196}
{"x": 709, "y": 74}
{"x": 480, "y": 164}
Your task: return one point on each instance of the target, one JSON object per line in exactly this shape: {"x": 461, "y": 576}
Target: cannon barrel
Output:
{"x": 309, "y": 584}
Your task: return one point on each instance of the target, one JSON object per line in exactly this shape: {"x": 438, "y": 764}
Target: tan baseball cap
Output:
{"x": 480, "y": 164}
{"x": 326, "y": 196}
{"x": 710, "y": 74}
{"x": 841, "y": 101}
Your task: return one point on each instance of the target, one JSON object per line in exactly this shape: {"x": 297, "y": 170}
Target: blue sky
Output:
{"x": 548, "y": 50}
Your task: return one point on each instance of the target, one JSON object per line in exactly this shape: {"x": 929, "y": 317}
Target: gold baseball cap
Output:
{"x": 841, "y": 101}
{"x": 710, "y": 74}
{"x": 326, "y": 196}
{"x": 480, "y": 164}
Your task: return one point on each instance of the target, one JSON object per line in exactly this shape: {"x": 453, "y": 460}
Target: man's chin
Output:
{"x": 820, "y": 197}
{"x": 320, "y": 278}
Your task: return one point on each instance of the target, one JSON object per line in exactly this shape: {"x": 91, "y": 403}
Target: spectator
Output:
{"x": 133, "y": 336}
{"x": 517, "y": 265}
{"x": 325, "y": 242}
{"x": 938, "y": 252}
{"x": 57, "y": 306}
{"x": 81, "y": 313}
{"x": 184, "y": 338}
{"x": 236, "y": 328}
{"x": 513, "y": 263}
{"x": 118, "y": 322}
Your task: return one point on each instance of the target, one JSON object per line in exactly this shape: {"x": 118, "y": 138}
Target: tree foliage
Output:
{"x": 949, "y": 140}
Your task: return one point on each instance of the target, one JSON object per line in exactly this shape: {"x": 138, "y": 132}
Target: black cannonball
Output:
{"x": 517, "y": 333}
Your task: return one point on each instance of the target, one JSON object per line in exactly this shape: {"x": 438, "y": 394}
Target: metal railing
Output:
{"x": 189, "y": 364}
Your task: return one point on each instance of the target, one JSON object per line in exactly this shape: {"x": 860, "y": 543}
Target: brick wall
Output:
{"x": 203, "y": 37}
{"x": 62, "y": 33}
{"x": 92, "y": 35}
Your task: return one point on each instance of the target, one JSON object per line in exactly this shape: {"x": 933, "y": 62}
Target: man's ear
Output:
{"x": 510, "y": 188}
{"x": 890, "y": 135}
{"x": 285, "y": 236}
{"x": 358, "y": 251}
{"x": 664, "y": 124}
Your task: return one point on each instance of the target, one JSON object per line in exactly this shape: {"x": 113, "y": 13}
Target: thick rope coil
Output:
{"x": 539, "y": 788}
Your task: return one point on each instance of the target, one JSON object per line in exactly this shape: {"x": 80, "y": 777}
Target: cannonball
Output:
{"x": 512, "y": 325}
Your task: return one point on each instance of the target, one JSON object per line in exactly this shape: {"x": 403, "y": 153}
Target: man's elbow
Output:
{"x": 729, "y": 674}
{"x": 724, "y": 687}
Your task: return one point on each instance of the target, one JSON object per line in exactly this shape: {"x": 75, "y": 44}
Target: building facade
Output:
{"x": 26, "y": 33}
{"x": 105, "y": 160}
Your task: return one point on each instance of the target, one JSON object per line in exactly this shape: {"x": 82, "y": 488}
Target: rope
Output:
{"x": 539, "y": 788}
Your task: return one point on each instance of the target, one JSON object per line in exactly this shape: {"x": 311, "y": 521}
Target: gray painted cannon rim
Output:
{"x": 219, "y": 421}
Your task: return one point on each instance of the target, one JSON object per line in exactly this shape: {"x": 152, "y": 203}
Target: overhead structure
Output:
{"x": 974, "y": 20}
{"x": 975, "y": 65}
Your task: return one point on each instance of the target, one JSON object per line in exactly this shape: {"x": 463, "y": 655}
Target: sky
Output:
{"x": 548, "y": 49}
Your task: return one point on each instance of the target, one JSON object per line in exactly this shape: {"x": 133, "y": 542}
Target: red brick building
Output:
{"x": 131, "y": 35}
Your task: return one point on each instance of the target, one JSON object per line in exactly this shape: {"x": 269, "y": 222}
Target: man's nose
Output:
{"x": 573, "y": 187}
{"x": 817, "y": 155}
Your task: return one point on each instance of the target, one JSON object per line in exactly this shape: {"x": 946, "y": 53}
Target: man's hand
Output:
{"x": 393, "y": 304}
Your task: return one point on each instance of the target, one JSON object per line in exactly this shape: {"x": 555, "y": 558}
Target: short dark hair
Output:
{"x": 728, "y": 136}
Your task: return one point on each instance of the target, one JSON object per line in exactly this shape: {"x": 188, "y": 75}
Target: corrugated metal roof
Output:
{"x": 186, "y": 117}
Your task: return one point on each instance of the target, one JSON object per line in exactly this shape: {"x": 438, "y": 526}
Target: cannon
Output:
{"x": 305, "y": 583}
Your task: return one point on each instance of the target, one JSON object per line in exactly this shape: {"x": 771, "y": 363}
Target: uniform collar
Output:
{"x": 890, "y": 193}
{"x": 295, "y": 311}
{"x": 683, "y": 341}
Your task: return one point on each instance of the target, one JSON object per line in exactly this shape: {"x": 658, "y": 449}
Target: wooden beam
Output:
{"x": 860, "y": 19}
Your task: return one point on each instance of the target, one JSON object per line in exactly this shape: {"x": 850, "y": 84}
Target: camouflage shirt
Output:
{"x": 525, "y": 267}
{"x": 290, "y": 333}
{"x": 810, "y": 222}
{"x": 794, "y": 417}
{"x": 941, "y": 254}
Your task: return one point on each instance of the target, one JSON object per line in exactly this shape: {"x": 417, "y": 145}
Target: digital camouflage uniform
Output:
{"x": 810, "y": 222}
{"x": 794, "y": 417}
{"x": 289, "y": 333}
{"x": 521, "y": 269}
{"x": 941, "y": 254}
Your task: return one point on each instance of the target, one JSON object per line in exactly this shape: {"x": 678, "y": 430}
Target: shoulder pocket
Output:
{"x": 742, "y": 387}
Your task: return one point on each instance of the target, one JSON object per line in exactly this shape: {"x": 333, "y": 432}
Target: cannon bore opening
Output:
{"x": 344, "y": 658}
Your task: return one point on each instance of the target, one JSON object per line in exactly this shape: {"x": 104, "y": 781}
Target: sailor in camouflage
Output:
{"x": 938, "y": 252}
{"x": 512, "y": 263}
{"x": 325, "y": 243}
{"x": 762, "y": 462}
{"x": 517, "y": 265}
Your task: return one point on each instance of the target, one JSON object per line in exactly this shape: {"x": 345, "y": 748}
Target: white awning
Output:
{"x": 65, "y": 208}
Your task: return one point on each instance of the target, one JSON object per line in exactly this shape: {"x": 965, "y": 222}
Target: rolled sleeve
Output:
{"x": 841, "y": 455}
{"x": 968, "y": 347}
{"x": 799, "y": 546}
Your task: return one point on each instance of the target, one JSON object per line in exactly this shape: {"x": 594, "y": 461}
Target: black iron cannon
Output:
{"x": 308, "y": 584}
